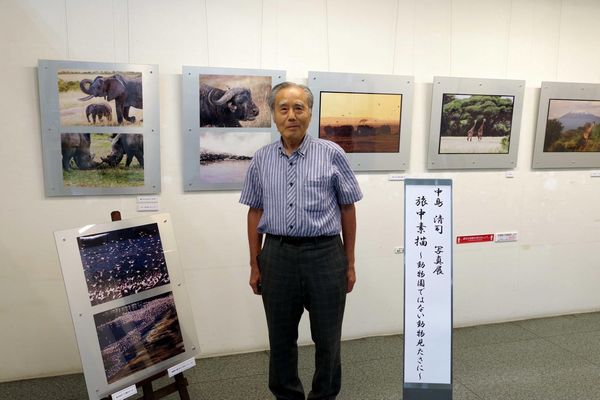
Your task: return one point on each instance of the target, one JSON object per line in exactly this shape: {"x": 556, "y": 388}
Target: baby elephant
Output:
{"x": 98, "y": 110}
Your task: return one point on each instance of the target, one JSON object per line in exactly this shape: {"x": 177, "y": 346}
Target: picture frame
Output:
{"x": 475, "y": 123}
{"x": 226, "y": 118}
{"x": 368, "y": 115}
{"x": 568, "y": 131}
{"x": 100, "y": 128}
{"x": 131, "y": 311}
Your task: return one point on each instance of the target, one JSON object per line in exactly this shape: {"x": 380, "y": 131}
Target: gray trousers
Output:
{"x": 296, "y": 275}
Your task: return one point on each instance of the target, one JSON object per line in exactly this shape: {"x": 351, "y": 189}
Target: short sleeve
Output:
{"x": 347, "y": 188}
{"x": 252, "y": 189}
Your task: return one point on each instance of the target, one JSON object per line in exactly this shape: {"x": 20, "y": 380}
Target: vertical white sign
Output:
{"x": 428, "y": 281}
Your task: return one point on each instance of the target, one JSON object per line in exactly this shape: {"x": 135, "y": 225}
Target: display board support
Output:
{"x": 180, "y": 385}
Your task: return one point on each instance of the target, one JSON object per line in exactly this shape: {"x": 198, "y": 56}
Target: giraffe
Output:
{"x": 587, "y": 130}
{"x": 471, "y": 132}
{"x": 480, "y": 130}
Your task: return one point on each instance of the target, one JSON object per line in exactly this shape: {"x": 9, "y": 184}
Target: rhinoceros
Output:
{"x": 76, "y": 146}
{"x": 131, "y": 145}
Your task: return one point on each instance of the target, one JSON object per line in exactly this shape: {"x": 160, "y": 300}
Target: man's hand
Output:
{"x": 351, "y": 275}
{"x": 255, "y": 279}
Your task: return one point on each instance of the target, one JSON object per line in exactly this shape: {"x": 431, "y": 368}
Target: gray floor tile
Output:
{"x": 561, "y": 325}
{"x": 490, "y": 334}
{"x": 461, "y": 392}
{"x": 372, "y": 348}
{"x": 382, "y": 380}
{"x": 219, "y": 368}
{"x": 66, "y": 387}
{"x": 245, "y": 388}
{"x": 525, "y": 370}
{"x": 585, "y": 345}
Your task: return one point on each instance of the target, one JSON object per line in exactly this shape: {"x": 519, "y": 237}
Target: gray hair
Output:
{"x": 283, "y": 85}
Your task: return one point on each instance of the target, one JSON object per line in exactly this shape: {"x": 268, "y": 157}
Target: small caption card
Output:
{"x": 125, "y": 393}
{"x": 187, "y": 364}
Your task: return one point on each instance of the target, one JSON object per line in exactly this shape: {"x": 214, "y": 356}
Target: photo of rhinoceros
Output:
{"x": 102, "y": 159}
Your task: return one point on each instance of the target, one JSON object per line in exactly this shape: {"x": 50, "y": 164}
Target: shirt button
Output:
{"x": 291, "y": 226}
{"x": 291, "y": 204}
{"x": 291, "y": 183}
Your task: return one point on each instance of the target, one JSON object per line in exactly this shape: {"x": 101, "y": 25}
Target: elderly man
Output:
{"x": 301, "y": 193}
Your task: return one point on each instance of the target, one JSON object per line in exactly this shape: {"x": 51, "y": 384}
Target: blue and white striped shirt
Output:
{"x": 300, "y": 195}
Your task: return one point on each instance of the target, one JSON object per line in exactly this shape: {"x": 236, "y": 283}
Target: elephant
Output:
{"x": 76, "y": 146}
{"x": 98, "y": 110}
{"x": 131, "y": 145}
{"x": 126, "y": 92}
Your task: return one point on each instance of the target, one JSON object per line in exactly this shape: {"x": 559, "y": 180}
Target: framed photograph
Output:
{"x": 99, "y": 122}
{"x": 128, "y": 301}
{"x": 568, "y": 129}
{"x": 475, "y": 123}
{"x": 226, "y": 118}
{"x": 369, "y": 116}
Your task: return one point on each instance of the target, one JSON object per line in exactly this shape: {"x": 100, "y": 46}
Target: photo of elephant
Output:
{"x": 101, "y": 160}
{"x": 104, "y": 98}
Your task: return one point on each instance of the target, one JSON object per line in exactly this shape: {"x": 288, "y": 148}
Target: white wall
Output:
{"x": 552, "y": 269}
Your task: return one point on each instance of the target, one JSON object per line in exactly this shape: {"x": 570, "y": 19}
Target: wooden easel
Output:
{"x": 180, "y": 385}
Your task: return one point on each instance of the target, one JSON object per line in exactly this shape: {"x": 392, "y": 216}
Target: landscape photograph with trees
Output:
{"x": 572, "y": 126}
{"x": 475, "y": 124}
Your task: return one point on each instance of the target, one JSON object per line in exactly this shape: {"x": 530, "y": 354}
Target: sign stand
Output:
{"x": 427, "y": 289}
{"x": 180, "y": 385}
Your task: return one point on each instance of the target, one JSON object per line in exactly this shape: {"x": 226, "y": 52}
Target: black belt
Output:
{"x": 297, "y": 240}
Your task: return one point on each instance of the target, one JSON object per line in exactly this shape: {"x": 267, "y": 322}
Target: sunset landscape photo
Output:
{"x": 361, "y": 122}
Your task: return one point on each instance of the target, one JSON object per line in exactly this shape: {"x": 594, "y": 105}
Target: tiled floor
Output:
{"x": 542, "y": 359}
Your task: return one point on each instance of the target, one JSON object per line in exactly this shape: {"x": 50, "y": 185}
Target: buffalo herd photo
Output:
{"x": 361, "y": 122}
{"x": 234, "y": 101}
{"x": 475, "y": 124}
{"x": 103, "y": 98}
{"x": 572, "y": 126}
{"x": 102, "y": 160}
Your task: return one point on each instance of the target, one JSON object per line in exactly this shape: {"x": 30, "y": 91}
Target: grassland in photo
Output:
{"x": 104, "y": 176}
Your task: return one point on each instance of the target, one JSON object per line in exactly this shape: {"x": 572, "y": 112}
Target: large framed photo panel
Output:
{"x": 100, "y": 128}
{"x": 128, "y": 301}
{"x": 475, "y": 123}
{"x": 568, "y": 126}
{"x": 369, "y": 116}
{"x": 226, "y": 118}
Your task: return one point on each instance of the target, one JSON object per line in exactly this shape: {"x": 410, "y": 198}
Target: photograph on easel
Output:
{"x": 138, "y": 335}
{"x": 123, "y": 262}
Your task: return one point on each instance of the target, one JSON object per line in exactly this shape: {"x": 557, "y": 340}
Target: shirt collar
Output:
{"x": 300, "y": 150}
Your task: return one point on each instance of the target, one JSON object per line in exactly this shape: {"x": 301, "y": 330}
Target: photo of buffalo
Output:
{"x": 110, "y": 98}
{"x": 234, "y": 101}
{"x": 96, "y": 159}
{"x": 361, "y": 122}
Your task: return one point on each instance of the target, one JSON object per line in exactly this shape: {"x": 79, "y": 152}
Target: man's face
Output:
{"x": 292, "y": 114}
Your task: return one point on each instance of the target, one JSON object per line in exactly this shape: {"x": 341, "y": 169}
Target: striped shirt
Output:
{"x": 300, "y": 195}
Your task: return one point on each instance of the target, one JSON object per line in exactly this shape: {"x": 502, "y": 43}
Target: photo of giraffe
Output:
{"x": 572, "y": 126}
{"x": 475, "y": 124}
